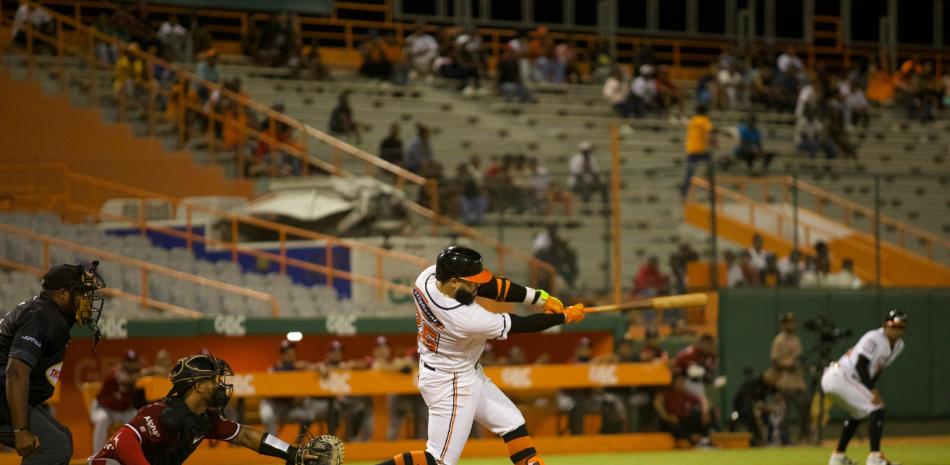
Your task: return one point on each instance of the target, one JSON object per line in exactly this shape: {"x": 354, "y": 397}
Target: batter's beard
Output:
{"x": 464, "y": 297}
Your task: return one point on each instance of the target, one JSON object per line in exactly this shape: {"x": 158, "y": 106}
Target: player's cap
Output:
{"x": 787, "y": 316}
{"x": 336, "y": 345}
{"x": 896, "y": 319}
{"x": 381, "y": 340}
{"x": 585, "y": 146}
{"x": 286, "y": 345}
{"x": 462, "y": 263}
{"x": 131, "y": 355}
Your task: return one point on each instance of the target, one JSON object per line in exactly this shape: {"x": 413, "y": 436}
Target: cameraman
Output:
{"x": 785, "y": 375}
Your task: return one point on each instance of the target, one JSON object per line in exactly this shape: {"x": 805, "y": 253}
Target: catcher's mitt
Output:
{"x": 322, "y": 450}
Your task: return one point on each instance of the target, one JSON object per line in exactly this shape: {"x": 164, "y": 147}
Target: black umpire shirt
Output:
{"x": 37, "y": 334}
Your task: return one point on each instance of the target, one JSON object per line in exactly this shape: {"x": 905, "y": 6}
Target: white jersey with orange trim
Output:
{"x": 452, "y": 336}
{"x": 877, "y": 348}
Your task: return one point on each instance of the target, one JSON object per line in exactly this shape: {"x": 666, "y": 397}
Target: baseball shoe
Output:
{"x": 840, "y": 459}
{"x": 879, "y": 459}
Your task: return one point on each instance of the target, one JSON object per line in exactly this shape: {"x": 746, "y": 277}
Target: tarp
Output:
{"x": 302, "y": 205}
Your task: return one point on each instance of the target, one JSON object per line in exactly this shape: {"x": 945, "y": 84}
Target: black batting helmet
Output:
{"x": 463, "y": 263}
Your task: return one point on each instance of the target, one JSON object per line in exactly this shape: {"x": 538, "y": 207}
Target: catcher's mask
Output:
{"x": 84, "y": 281}
{"x": 195, "y": 368}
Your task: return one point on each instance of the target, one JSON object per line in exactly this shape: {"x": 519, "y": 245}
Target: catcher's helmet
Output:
{"x": 190, "y": 370}
{"x": 896, "y": 319}
{"x": 463, "y": 263}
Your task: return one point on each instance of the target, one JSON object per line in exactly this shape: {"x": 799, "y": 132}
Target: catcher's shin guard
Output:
{"x": 521, "y": 448}
{"x": 416, "y": 457}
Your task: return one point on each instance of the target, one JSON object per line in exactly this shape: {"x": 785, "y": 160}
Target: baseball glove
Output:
{"x": 320, "y": 450}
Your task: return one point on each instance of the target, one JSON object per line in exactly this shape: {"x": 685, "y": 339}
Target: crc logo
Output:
{"x": 243, "y": 385}
{"x": 336, "y": 382}
{"x": 516, "y": 377}
{"x": 114, "y": 328}
{"x": 230, "y": 325}
{"x": 602, "y": 374}
{"x": 341, "y": 325}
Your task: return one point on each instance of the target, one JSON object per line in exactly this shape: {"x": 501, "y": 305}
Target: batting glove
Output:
{"x": 550, "y": 303}
{"x": 574, "y": 314}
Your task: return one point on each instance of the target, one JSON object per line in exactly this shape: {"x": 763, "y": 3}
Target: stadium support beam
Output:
{"x": 527, "y": 12}
{"x": 938, "y": 24}
{"x": 769, "y": 19}
{"x": 484, "y": 10}
{"x": 568, "y": 6}
{"x": 731, "y": 15}
{"x": 692, "y": 16}
{"x": 844, "y": 20}
{"x": 653, "y": 15}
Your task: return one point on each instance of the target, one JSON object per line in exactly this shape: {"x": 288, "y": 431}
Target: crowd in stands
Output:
{"x": 757, "y": 267}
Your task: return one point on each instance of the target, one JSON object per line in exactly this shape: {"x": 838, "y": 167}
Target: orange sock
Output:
{"x": 416, "y": 457}
{"x": 521, "y": 448}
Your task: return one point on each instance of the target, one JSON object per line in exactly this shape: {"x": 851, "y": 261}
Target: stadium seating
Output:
{"x": 295, "y": 300}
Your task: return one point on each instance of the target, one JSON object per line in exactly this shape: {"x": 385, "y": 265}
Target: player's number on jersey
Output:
{"x": 429, "y": 337}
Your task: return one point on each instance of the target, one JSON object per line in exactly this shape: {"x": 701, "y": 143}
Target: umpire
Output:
{"x": 33, "y": 341}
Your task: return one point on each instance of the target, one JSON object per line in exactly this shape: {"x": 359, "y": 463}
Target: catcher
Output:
{"x": 168, "y": 431}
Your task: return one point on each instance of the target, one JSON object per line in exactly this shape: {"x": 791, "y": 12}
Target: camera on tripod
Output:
{"x": 827, "y": 331}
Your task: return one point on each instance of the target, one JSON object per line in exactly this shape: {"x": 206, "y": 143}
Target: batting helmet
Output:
{"x": 463, "y": 263}
{"x": 896, "y": 319}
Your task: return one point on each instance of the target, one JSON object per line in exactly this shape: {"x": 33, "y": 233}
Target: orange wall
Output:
{"x": 39, "y": 128}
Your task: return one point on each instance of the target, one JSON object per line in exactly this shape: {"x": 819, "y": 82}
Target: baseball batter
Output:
{"x": 850, "y": 383}
{"x": 453, "y": 329}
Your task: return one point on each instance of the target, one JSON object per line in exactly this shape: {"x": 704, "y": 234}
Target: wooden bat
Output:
{"x": 696, "y": 299}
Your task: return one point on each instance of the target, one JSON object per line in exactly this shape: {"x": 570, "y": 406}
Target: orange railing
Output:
{"x": 681, "y": 53}
{"x": 77, "y": 196}
{"x": 70, "y": 32}
{"x": 48, "y": 243}
{"x": 850, "y": 209}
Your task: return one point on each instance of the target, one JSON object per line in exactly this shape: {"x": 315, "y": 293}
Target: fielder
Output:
{"x": 453, "y": 329}
{"x": 168, "y": 431}
{"x": 850, "y": 384}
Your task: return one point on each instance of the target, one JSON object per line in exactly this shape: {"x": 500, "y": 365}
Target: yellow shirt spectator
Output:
{"x": 698, "y": 133}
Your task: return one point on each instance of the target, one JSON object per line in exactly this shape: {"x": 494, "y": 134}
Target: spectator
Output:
{"x": 342, "y": 122}
{"x": 786, "y": 90}
{"x": 420, "y": 150}
{"x": 750, "y": 144}
{"x": 810, "y": 136}
{"x": 375, "y": 63}
{"x": 683, "y": 414}
{"x": 643, "y": 92}
{"x": 521, "y": 176}
{"x": 757, "y": 254}
{"x": 788, "y": 61}
{"x": 274, "y": 41}
{"x": 302, "y": 410}
{"x": 173, "y": 38}
{"x": 855, "y": 104}
{"x": 541, "y": 51}
{"x": 750, "y": 276}
{"x": 880, "y": 85}
{"x": 650, "y": 281}
{"x": 310, "y": 60}
{"x": 615, "y": 92}
{"x": 699, "y": 139}
{"x": 786, "y": 375}
{"x": 540, "y": 181}
{"x": 131, "y": 76}
{"x": 207, "y": 69}
{"x": 734, "y": 276}
{"x": 390, "y": 149}
{"x": 836, "y": 132}
{"x": 730, "y": 86}
{"x": 585, "y": 175}
{"x": 38, "y": 19}
{"x": 762, "y": 90}
{"x": 472, "y": 202}
{"x": 679, "y": 263}
{"x": 113, "y": 403}
{"x": 566, "y": 58}
{"x": 770, "y": 276}
{"x": 399, "y": 74}
{"x": 422, "y": 49}
{"x": 558, "y": 195}
{"x": 519, "y": 47}
{"x": 706, "y": 88}
{"x": 510, "y": 85}
{"x": 544, "y": 240}
{"x": 267, "y": 156}
{"x": 790, "y": 268}
{"x": 844, "y": 278}
{"x": 105, "y": 51}
{"x": 669, "y": 95}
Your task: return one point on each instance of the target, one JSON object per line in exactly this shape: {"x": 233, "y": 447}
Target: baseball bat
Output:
{"x": 696, "y": 299}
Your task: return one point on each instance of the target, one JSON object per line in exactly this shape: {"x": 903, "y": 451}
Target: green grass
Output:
{"x": 909, "y": 454}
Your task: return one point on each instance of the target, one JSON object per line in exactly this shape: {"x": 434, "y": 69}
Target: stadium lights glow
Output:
{"x": 294, "y": 336}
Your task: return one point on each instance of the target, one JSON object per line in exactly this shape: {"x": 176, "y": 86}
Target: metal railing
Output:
{"x": 78, "y": 40}
{"x": 47, "y": 243}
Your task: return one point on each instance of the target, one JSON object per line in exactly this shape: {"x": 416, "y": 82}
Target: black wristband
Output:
{"x": 274, "y": 446}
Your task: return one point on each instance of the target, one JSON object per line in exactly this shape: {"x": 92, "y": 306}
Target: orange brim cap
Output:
{"x": 480, "y": 278}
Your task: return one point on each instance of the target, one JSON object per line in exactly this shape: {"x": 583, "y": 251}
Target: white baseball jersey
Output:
{"x": 455, "y": 389}
{"x": 876, "y": 347}
{"x": 451, "y": 335}
{"x": 841, "y": 382}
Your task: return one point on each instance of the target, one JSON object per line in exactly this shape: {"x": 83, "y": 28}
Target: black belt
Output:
{"x": 429, "y": 367}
